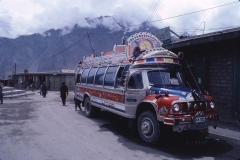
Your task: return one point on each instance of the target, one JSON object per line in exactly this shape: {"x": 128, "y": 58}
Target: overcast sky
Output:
{"x": 25, "y": 17}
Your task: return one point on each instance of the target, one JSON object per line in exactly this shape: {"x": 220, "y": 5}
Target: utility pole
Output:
{"x": 91, "y": 44}
{"x": 15, "y": 74}
{"x": 175, "y": 34}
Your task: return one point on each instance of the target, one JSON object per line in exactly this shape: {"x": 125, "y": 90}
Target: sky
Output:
{"x": 26, "y": 17}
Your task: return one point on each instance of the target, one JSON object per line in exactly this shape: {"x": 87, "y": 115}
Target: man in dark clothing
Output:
{"x": 44, "y": 90}
{"x": 1, "y": 94}
{"x": 63, "y": 92}
{"x": 136, "y": 52}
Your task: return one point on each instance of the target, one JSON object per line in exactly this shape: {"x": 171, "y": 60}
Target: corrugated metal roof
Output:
{"x": 206, "y": 38}
{"x": 43, "y": 73}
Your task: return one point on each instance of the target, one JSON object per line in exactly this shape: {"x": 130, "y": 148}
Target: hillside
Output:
{"x": 54, "y": 50}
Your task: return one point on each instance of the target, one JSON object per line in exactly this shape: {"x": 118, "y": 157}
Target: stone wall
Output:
{"x": 220, "y": 83}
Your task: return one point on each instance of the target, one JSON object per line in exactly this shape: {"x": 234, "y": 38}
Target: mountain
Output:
{"x": 62, "y": 48}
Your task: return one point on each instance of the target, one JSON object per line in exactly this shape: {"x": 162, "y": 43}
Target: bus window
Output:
{"x": 119, "y": 79}
{"x": 78, "y": 78}
{"x": 135, "y": 81}
{"x": 84, "y": 76}
{"x": 91, "y": 75}
{"x": 110, "y": 76}
{"x": 99, "y": 75}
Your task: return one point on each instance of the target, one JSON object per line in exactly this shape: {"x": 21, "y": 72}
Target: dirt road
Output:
{"x": 40, "y": 128}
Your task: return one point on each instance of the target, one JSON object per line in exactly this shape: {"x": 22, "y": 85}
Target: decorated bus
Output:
{"x": 144, "y": 82}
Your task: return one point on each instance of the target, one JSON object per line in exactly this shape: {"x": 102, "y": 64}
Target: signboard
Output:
{"x": 164, "y": 35}
{"x": 67, "y": 70}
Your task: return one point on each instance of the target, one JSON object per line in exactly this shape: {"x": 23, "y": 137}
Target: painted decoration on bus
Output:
{"x": 97, "y": 55}
{"x": 120, "y": 49}
{"x": 143, "y": 40}
{"x": 109, "y": 104}
{"x": 102, "y": 94}
{"x": 158, "y": 59}
{"x": 106, "y": 53}
{"x": 89, "y": 57}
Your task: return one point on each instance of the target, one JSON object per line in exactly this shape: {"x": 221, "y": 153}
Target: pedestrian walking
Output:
{"x": 49, "y": 84}
{"x": 40, "y": 88}
{"x": 44, "y": 90}
{"x": 27, "y": 86}
{"x": 63, "y": 92}
{"x": 21, "y": 83}
{"x": 1, "y": 94}
{"x": 33, "y": 86}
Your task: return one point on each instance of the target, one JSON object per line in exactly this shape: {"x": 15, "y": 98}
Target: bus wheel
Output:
{"x": 90, "y": 110}
{"x": 148, "y": 127}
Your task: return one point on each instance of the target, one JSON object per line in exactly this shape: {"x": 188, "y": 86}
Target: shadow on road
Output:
{"x": 177, "y": 148}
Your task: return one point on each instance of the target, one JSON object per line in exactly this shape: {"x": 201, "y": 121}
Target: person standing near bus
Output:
{"x": 63, "y": 93}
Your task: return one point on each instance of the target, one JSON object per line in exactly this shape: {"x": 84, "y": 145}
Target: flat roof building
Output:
{"x": 20, "y": 80}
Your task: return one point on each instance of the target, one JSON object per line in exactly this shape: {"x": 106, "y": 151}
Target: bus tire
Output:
{"x": 148, "y": 127}
{"x": 89, "y": 109}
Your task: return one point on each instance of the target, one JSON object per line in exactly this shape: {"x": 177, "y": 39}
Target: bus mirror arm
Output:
{"x": 158, "y": 96}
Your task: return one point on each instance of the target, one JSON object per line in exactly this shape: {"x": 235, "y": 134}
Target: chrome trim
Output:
{"x": 181, "y": 100}
{"x": 114, "y": 111}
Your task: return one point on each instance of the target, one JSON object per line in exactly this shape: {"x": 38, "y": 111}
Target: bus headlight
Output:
{"x": 176, "y": 107}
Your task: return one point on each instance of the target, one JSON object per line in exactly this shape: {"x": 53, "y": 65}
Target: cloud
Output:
{"x": 5, "y": 20}
{"x": 26, "y": 17}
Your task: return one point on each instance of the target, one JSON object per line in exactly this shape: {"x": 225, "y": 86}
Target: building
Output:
{"x": 56, "y": 78}
{"x": 214, "y": 60}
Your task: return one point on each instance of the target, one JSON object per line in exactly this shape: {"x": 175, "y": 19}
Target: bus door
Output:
{"x": 134, "y": 90}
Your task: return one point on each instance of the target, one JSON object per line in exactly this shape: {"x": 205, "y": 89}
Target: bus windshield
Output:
{"x": 163, "y": 78}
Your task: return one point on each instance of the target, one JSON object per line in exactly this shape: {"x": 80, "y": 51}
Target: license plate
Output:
{"x": 199, "y": 119}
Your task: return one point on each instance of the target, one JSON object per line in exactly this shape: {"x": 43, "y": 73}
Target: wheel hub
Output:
{"x": 147, "y": 127}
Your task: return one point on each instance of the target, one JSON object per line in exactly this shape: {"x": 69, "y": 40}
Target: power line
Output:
{"x": 18, "y": 26}
{"x": 154, "y": 10}
{"x": 206, "y": 29}
{"x": 84, "y": 36}
{"x": 100, "y": 33}
{"x": 64, "y": 49}
{"x": 149, "y": 11}
{"x": 186, "y": 14}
